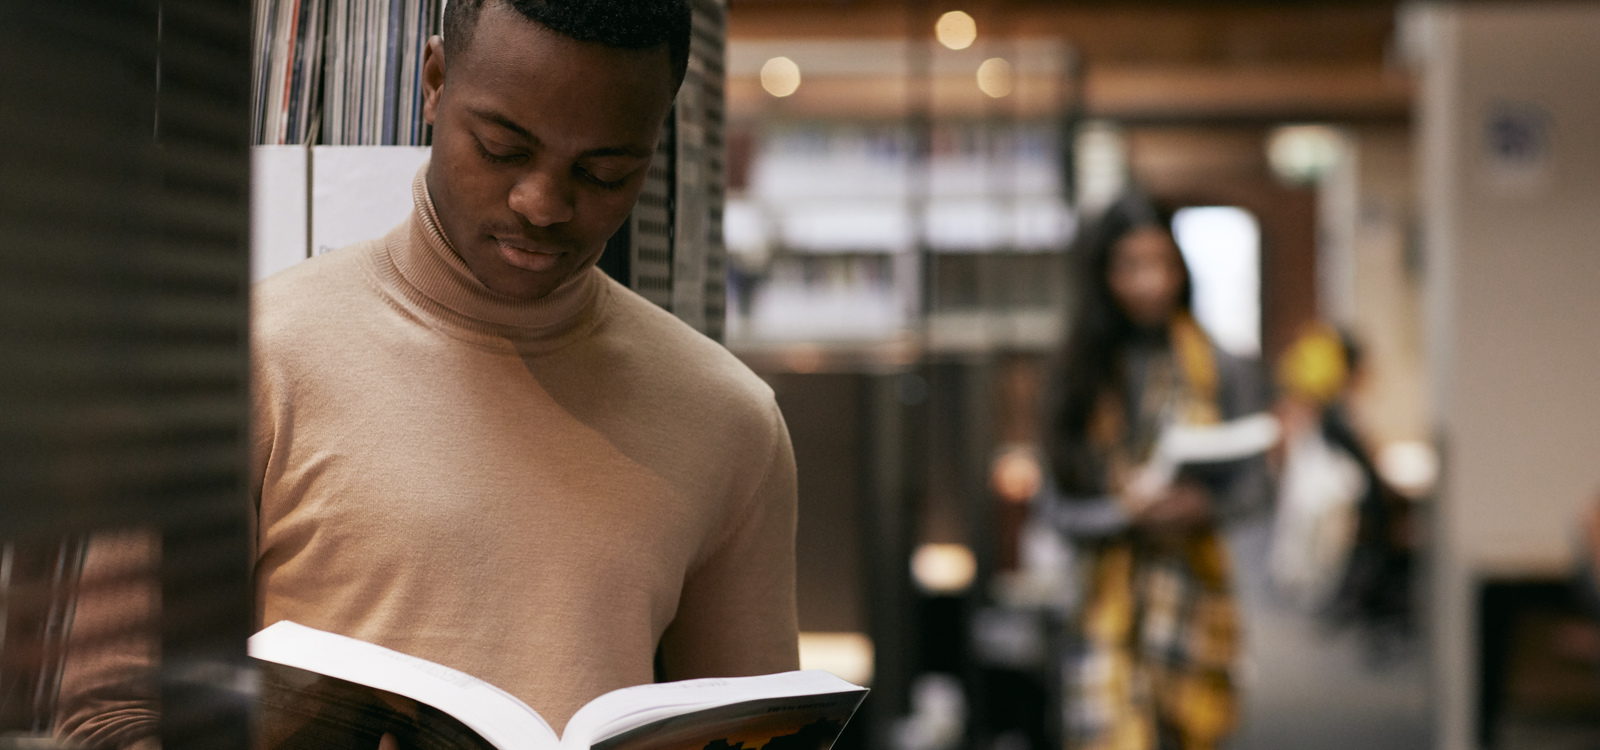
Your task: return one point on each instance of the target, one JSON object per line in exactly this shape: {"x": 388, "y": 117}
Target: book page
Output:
{"x": 810, "y": 722}
{"x": 1229, "y": 441}
{"x": 1195, "y": 445}
{"x": 496, "y": 716}
{"x": 303, "y": 710}
{"x": 723, "y": 707}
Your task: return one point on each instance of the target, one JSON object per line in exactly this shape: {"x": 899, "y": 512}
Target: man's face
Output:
{"x": 540, "y": 146}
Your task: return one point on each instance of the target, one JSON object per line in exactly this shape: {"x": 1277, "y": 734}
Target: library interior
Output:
{"x": 1133, "y": 375}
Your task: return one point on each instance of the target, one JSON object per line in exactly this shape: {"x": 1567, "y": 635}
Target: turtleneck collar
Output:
{"x": 416, "y": 265}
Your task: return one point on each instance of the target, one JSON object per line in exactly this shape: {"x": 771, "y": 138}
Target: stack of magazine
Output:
{"x": 287, "y": 68}
{"x": 341, "y": 72}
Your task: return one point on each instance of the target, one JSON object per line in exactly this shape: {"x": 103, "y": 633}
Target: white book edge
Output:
{"x": 632, "y": 707}
{"x": 1228, "y": 441}
{"x": 1180, "y": 444}
{"x": 502, "y": 719}
{"x": 497, "y": 716}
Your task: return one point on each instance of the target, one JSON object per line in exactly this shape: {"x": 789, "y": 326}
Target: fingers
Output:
{"x": 1183, "y": 505}
{"x": 388, "y": 743}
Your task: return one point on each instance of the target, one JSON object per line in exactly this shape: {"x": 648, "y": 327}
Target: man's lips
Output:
{"x": 524, "y": 255}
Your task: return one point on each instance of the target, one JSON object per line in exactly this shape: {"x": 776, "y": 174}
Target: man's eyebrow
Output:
{"x": 634, "y": 151}
{"x": 502, "y": 121}
{"x": 598, "y": 153}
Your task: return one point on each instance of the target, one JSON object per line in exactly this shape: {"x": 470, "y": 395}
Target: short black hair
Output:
{"x": 624, "y": 24}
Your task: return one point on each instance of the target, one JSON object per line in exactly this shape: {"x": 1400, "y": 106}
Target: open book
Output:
{"x": 321, "y": 690}
{"x": 1181, "y": 445}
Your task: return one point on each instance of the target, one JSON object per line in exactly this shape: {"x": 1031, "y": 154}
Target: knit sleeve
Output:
{"x": 736, "y": 615}
{"x": 109, "y": 683}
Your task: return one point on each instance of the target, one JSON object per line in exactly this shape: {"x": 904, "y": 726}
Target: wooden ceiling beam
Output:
{"x": 1132, "y": 34}
{"x": 1134, "y": 94}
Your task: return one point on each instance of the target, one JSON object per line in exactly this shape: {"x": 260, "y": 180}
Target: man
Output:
{"x": 472, "y": 446}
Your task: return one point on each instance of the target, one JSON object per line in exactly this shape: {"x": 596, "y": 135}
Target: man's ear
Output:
{"x": 432, "y": 77}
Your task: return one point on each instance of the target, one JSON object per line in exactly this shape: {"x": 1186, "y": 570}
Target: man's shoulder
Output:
{"x": 304, "y": 297}
{"x": 672, "y": 353}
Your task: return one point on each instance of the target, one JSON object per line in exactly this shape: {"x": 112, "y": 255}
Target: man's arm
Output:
{"x": 736, "y": 614}
{"x": 109, "y": 684}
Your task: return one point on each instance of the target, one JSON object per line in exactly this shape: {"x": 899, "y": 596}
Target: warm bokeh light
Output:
{"x": 847, "y": 655}
{"x": 943, "y": 568}
{"x": 1016, "y": 475}
{"x": 994, "y": 77}
{"x": 956, "y": 30}
{"x": 1302, "y": 154}
{"x": 1410, "y": 466}
{"x": 780, "y": 76}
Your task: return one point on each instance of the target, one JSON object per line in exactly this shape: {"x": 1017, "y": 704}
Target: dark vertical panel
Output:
{"x": 123, "y": 303}
{"x": 617, "y": 260}
{"x": 894, "y": 418}
{"x": 828, "y": 451}
{"x": 649, "y": 229}
{"x": 709, "y": 47}
{"x": 670, "y": 250}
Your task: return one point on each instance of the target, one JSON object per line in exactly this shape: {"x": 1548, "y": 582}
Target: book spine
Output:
{"x": 261, "y": 73}
{"x": 297, "y": 79}
{"x": 404, "y": 35}
{"x": 288, "y": 56}
{"x": 272, "y": 99}
{"x": 332, "y": 88}
{"x": 416, "y": 36}
{"x": 391, "y": 72}
{"x": 314, "y": 104}
{"x": 342, "y": 74}
{"x": 358, "y": 73}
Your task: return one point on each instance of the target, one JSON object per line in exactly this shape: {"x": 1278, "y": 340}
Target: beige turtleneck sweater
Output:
{"x": 536, "y": 493}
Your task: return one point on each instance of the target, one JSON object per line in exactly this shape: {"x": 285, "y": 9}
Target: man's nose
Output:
{"x": 543, "y": 199}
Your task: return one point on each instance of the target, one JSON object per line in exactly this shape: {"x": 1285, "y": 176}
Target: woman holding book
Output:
{"x": 1147, "y": 662}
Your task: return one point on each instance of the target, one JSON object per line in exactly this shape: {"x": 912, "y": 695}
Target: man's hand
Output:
{"x": 1183, "y": 505}
{"x": 388, "y": 743}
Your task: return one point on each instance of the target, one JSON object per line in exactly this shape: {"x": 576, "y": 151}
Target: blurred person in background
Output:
{"x": 1581, "y": 641}
{"x": 1147, "y": 662}
{"x": 1341, "y": 543}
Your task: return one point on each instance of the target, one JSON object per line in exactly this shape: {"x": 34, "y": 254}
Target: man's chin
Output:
{"x": 525, "y": 286}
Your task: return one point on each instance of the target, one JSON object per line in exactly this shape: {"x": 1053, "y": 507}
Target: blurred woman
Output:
{"x": 1147, "y": 664}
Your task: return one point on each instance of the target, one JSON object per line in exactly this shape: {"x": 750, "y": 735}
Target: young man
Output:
{"x": 470, "y": 445}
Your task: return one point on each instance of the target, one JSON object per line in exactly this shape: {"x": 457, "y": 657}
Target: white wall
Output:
{"x": 306, "y": 201}
{"x": 1386, "y": 289}
{"x": 1513, "y": 296}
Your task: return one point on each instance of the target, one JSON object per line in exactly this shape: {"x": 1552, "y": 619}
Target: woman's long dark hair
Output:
{"x": 1089, "y": 362}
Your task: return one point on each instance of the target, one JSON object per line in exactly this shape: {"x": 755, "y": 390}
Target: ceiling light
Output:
{"x": 846, "y": 655}
{"x": 943, "y": 568}
{"x": 780, "y": 76}
{"x": 1302, "y": 154}
{"x": 994, "y": 77}
{"x": 956, "y": 30}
